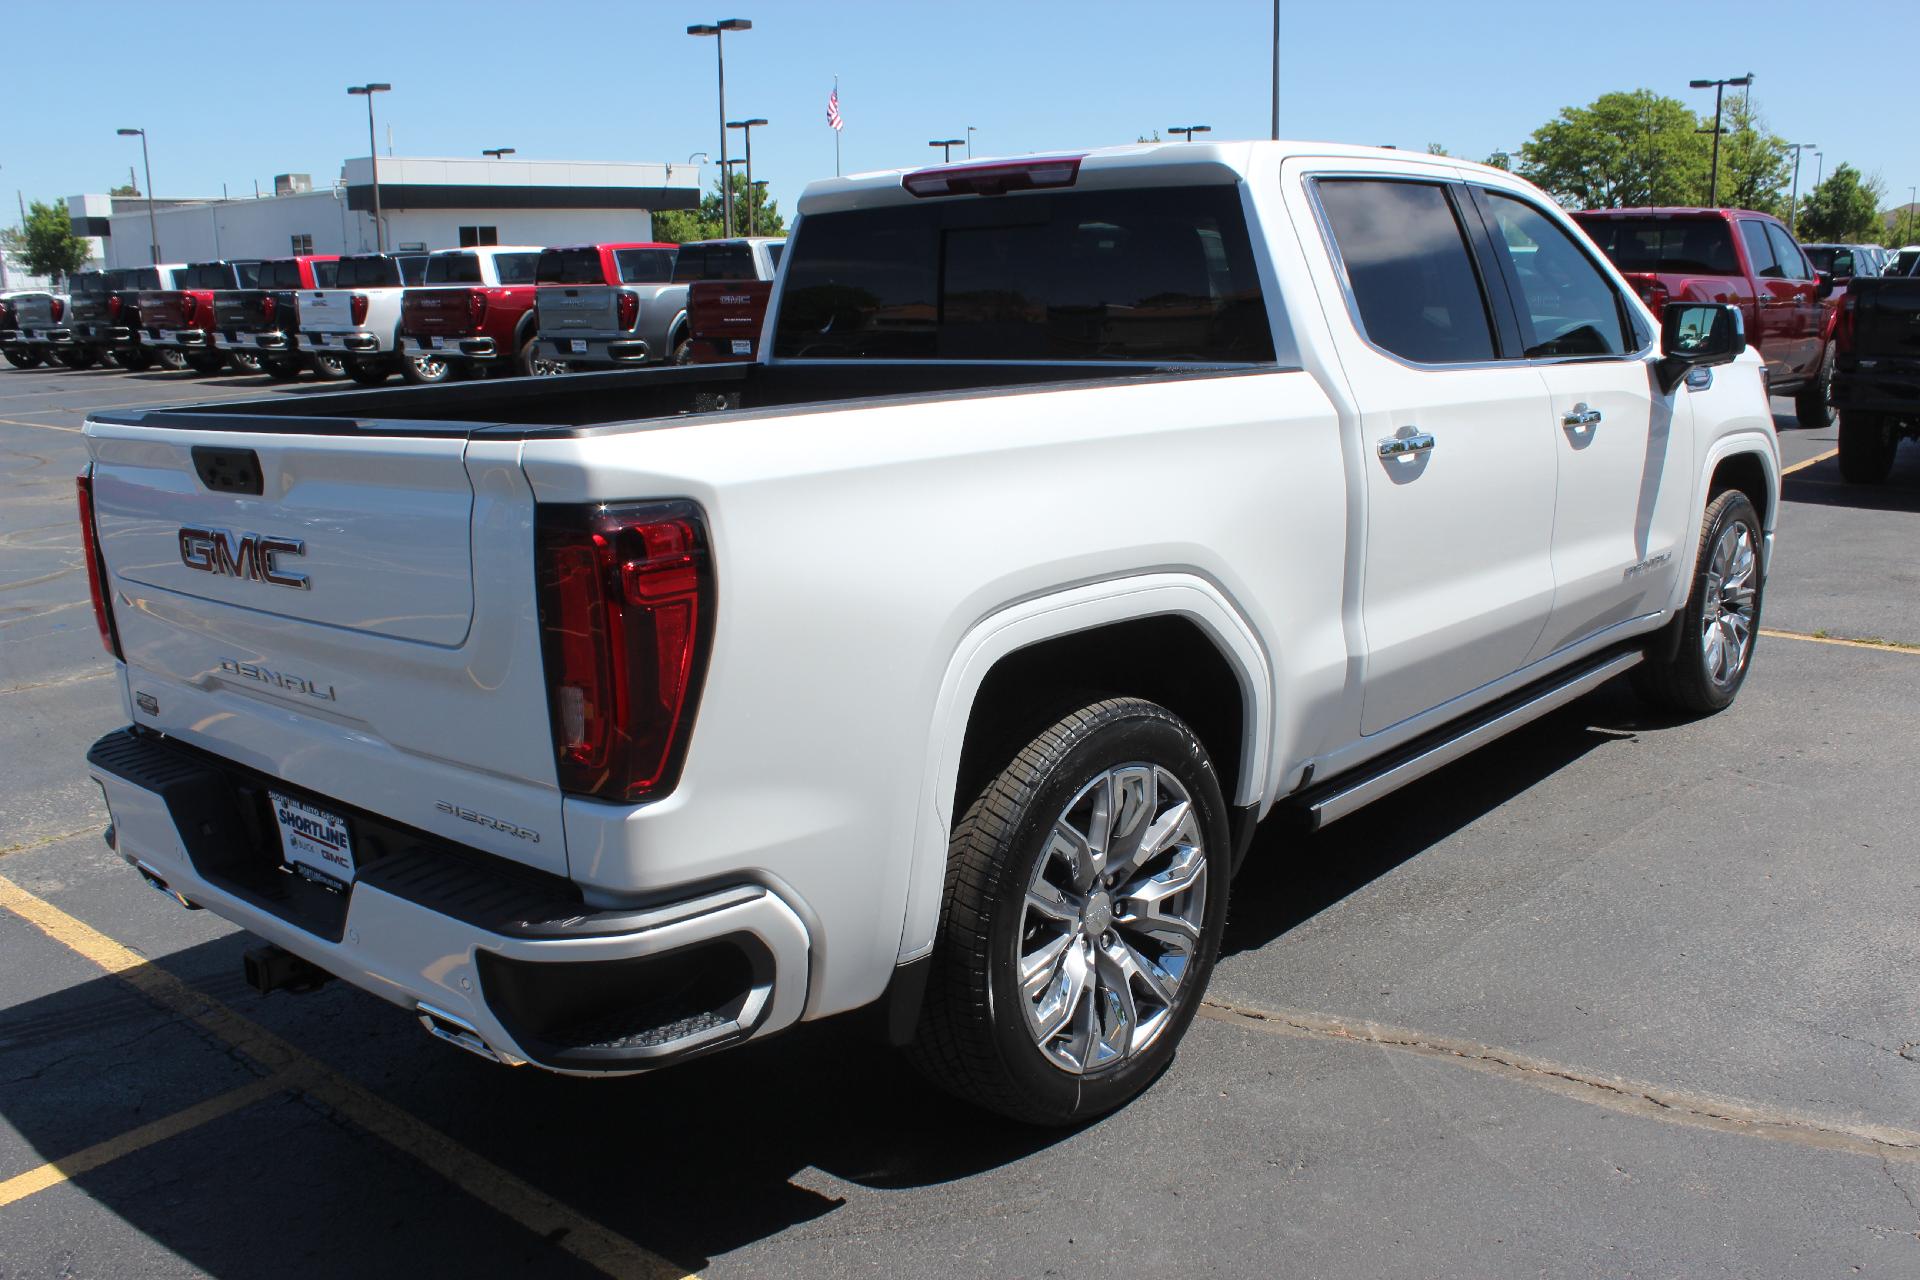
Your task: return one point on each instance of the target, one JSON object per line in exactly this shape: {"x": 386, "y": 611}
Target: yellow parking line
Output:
{"x": 1882, "y": 646}
{"x": 44, "y": 426}
{"x": 1802, "y": 466}
{"x": 479, "y": 1177}
{"x": 90, "y": 1158}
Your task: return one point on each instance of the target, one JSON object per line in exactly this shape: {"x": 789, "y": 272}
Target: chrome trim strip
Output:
{"x": 1345, "y": 801}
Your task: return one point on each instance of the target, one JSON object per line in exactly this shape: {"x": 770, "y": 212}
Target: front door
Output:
{"x": 1622, "y": 454}
{"x": 1457, "y": 577}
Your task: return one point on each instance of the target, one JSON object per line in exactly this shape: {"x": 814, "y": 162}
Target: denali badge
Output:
{"x": 278, "y": 679}
{"x": 492, "y": 824}
{"x": 243, "y": 555}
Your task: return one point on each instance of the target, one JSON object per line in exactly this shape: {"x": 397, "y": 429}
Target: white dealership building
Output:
{"x": 425, "y": 202}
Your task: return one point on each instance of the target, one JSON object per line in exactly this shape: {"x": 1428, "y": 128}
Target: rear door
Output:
{"x": 1777, "y": 319}
{"x": 1460, "y": 473}
{"x": 1622, "y": 447}
{"x": 1808, "y": 309}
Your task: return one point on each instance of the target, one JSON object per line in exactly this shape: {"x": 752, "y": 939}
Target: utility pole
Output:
{"x": 718, "y": 30}
{"x": 1793, "y": 204}
{"x": 373, "y": 154}
{"x": 1275, "y": 133}
{"x": 1718, "y": 87}
{"x": 747, "y": 127}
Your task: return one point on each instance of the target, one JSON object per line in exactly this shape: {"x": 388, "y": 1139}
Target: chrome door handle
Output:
{"x": 1406, "y": 446}
{"x": 1580, "y": 418}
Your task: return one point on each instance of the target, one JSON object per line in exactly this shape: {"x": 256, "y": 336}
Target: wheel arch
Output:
{"x": 1022, "y": 661}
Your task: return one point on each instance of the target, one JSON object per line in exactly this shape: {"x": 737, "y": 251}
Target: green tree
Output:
{"x": 1756, "y": 166}
{"x": 684, "y": 226}
{"x": 1844, "y": 208}
{"x": 124, "y": 189}
{"x": 1621, "y": 150}
{"x": 47, "y": 243}
{"x": 1500, "y": 160}
{"x": 1435, "y": 149}
{"x": 1144, "y": 138}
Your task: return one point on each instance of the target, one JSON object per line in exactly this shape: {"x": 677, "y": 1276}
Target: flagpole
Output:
{"x": 836, "y": 132}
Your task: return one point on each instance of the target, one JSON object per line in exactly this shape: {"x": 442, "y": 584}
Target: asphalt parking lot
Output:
{"x": 1617, "y": 996}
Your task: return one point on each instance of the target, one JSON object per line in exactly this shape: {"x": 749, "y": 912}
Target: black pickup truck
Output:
{"x": 260, "y": 326}
{"x": 1876, "y": 374}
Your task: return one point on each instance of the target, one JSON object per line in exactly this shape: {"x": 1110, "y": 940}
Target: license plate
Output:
{"x": 166, "y": 335}
{"x": 314, "y": 841}
{"x": 577, "y": 345}
{"x": 319, "y": 339}
{"x": 437, "y": 343}
{"x": 32, "y": 334}
{"x": 743, "y": 346}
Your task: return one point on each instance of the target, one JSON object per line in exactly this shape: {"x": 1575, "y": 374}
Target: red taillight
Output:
{"x": 267, "y": 307}
{"x": 96, "y": 566}
{"x": 994, "y": 179}
{"x": 626, "y": 609}
{"x": 113, "y": 307}
{"x": 629, "y": 304}
{"x": 1843, "y": 327}
{"x": 477, "y": 306}
{"x": 357, "y": 308}
{"x": 59, "y": 308}
{"x": 188, "y": 305}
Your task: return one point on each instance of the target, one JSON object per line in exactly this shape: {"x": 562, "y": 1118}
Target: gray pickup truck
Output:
{"x": 642, "y": 319}
{"x": 32, "y": 320}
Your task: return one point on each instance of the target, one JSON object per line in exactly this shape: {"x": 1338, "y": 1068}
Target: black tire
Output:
{"x": 281, "y": 368}
{"x": 1812, "y": 403}
{"x": 426, "y": 370}
{"x": 682, "y": 350}
{"x": 247, "y": 361}
{"x": 973, "y": 1037}
{"x": 76, "y": 357}
{"x": 207, "y": 363}
{"x": 21, "y": 357}
{"x": 369, "y": 373}
{"x": 328, "y": 366}
{"x": 134, "y": 359}
{"x": 520, "y": 365}
{"x": 172, "y": 359}
{"x": 1686, "y": 682}
{"x": 1868, "y": 443}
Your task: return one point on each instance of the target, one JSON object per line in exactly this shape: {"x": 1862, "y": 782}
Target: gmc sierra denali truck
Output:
{"x": 1081, "y": 512}
{"x": 353, "y": 328}
{"x": 262, "y": 324}
{"x": 608, "y": 327}
{"x": 115, "y": 319}
{"x": 479, "y": 318}
{"x": 26, "y": 332}
{"x": 177, "y": 322}
{"x": 589, "y": 300}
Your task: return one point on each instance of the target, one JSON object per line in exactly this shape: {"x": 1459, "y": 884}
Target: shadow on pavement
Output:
{"x": 1821, "y": 486}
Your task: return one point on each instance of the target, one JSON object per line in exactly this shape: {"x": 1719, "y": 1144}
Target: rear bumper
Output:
{"x": 26, "y": 337}
{"x": 607, "y": 351}
{"x": 183, "y": 339}
{"x": 357, "y": 342}
{"x": 1893, "y": 389}
{"x": 239, "y": 340}
{"x": 473, "y": 347}
{"x": 464, "y": 941}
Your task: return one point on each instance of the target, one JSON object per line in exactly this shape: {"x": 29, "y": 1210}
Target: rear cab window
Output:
{"x": 278, "y": 275}
{"x": 644, "y": 266}
{"x": 205, "y": 276}
{"x": 570, "y": 266}
{"x": 1666, "y": 246}
{"x": 454, "y": 268}
{"x": 516, "y": 268}
{"x": 366, "y": 272}
{"x": 1163, "y": 275}
{"x": 714, "y": 262}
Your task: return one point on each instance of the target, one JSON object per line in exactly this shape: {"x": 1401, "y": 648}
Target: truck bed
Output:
{"x": 636, "y": 399}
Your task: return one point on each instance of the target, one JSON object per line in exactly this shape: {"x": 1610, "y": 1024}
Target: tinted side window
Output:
{"x": 1759, "y": 251}
{"x": 1407, "y": 262}
{"x": 516, "y": 268}
{"x": 1567, "y": 306}
{"x": 1787, "y": 253}
{"x": 1163, "y": 274}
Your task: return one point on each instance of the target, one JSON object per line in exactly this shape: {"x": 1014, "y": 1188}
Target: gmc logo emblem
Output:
{"x": 243, "y": 555}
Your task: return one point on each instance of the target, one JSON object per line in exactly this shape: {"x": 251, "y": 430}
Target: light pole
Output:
{"x": 1189, "y": 129}
{"x": 373, "y": 152}
{"x": 1276, "y": 71}
{"x": 497, "y": 152}
{"x": 1913, "y": 193}
{"x": 971, "y": 130}
{"x": 1719, "y": 87}
{"x": 153, "y": 226}
{"x": 1819, "y": 166}
{"x": 746, "y": 128}
{"x": 718, "y": 31}
{"x": 946, "y": 146}
{"x": 1793, "y": 204}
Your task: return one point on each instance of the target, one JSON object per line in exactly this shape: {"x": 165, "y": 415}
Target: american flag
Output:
{"x": 833, "y": 110}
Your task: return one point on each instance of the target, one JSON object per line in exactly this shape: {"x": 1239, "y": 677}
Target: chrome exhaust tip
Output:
{"x": 455, "y": 1030}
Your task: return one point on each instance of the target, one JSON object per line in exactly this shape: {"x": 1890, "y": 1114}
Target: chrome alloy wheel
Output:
{"x": 1112, "y": 919}
{"x": 1726, "y": 618}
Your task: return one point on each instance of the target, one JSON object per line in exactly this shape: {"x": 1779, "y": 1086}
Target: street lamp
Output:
{"x": 153, "y": 227}
{"x": 946, "y": 146}
{"x": 718, "y": 31}
{"x": 1719, "y": 87}
{"x": 1819, "y": 166}
{"x": 746, "y": 128}
{"x": 971, "y": 130}
{"x": 1793, "y": 206}
{"x": 496, "y": 152}
{"x": 1189, "y": 129}
{"x": 373, "y": 151}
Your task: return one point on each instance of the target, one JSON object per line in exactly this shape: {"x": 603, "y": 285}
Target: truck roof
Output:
{"x": 609, "y": 244}
{"x": 1673, "y": 211}
{"x": 1134, "y": 165}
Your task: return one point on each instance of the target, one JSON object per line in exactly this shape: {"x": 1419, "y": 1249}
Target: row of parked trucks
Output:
{"x": 428, "y": 317}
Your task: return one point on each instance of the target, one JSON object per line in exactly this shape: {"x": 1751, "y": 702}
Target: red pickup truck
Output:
{"x": 1735, "y": 256}
{"x": 724, "y": 319}
{"x": 480, "y": 317}
{"x": 178, "y": 322}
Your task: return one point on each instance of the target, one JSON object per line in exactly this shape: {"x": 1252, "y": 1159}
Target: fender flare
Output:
{"x": 1029, "y": 622}
{"x": 1743, "y": 440}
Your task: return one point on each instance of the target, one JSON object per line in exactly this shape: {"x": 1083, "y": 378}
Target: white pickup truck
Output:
{"x": 1080, "y": 513}
{"x": 353, "y": 328}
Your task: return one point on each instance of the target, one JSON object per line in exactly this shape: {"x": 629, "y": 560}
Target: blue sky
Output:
{"x": 232, "y": 92}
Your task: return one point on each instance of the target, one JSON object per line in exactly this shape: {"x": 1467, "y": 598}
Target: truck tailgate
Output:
{"x": 1886, "y": 319}
{"x": 330, "y": 310}
{"x": 577, "y": 309}
{"x": 305, "y": 604}
{"x": 437, "y": 311}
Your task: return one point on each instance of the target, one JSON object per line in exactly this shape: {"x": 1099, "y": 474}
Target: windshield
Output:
{"x": 453, "y": 268}
{"x": 1674, "y": 246}
{"x": 1160, "y": 274}
{"x": 368, "y": 271}
{"x": 644, "y": 266}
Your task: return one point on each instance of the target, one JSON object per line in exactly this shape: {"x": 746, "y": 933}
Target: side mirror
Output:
{"x": 1697, "y": 335}
{"x": 1823, "y": 286}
